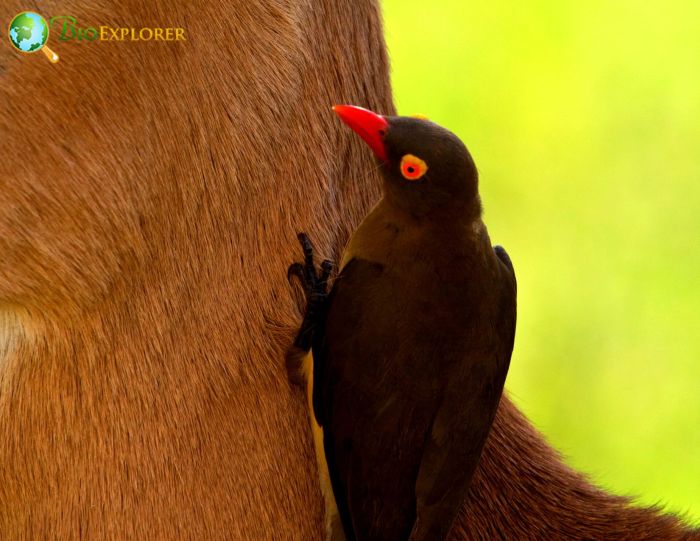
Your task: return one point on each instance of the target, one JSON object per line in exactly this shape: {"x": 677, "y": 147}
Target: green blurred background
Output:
{"x": 584, "y": 121}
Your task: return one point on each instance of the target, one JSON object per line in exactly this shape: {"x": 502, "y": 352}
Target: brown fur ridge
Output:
{"x": 150, "y": 194}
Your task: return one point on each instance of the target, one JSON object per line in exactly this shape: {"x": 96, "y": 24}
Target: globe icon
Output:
{"x": 29, "y": 33}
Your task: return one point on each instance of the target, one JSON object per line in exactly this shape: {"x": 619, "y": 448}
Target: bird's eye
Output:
{"x": 412, "y": 167}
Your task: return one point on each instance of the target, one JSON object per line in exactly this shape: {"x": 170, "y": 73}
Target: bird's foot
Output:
{"x": 315, "y": 284}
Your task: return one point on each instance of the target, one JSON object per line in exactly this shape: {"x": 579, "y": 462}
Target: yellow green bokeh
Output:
{"x": 584, "y": 120}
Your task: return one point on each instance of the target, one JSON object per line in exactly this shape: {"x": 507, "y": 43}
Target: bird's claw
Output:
{"x": 315, "y": 284}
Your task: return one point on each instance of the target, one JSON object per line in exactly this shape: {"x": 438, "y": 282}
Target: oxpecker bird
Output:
{"x": 412, "y": 344}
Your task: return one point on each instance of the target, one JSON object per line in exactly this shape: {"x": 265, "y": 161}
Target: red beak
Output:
{"x": 368, "y": 125}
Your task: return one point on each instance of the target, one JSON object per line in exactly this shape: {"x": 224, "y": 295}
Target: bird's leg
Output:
{"x": 315, "y": 285}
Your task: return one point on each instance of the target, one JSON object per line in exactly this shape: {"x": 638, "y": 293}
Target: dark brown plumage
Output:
{"x": 413, "y": 347}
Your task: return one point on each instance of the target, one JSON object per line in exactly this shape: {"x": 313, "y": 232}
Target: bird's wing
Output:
{"x": 343, "y": 316}
{"x": 339, "y": 301}
{"x": 350, "y": 344}
{"x": 504, "y": 258}
{"x": 464, "y": 420}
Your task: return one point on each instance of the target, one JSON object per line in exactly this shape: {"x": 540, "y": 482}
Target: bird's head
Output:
{"x": 427, "y": 169}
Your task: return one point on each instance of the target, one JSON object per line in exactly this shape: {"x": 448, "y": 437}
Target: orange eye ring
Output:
{"x": 412, "y": 167}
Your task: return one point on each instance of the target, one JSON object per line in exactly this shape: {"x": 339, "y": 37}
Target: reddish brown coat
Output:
{"x": 149, "y": 198}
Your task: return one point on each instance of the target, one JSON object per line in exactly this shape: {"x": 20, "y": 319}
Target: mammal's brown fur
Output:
{"x": 149, "y": 198}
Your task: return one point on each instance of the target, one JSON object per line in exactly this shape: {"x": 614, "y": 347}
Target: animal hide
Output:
{"x": 150, "y": 194}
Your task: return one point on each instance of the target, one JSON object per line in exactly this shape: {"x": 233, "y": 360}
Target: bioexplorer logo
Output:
{"x": 29, "y": 32}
